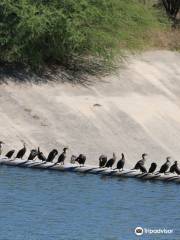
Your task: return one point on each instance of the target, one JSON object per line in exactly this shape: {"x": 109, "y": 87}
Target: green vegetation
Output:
{"x": 37, "y": 32}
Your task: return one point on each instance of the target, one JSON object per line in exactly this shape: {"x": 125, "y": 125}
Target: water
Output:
{"x": 40, "y": 205}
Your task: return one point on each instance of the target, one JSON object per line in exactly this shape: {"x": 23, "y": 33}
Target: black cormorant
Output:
{"x": 33, "y": 154}
{"x": 165, "y": 166}
{"x": 111, "y": 161}
{"x": 140, "y": 164}
{"x": 10, "y": 153}
{"x": 174, "y": 168}
{"x": 62, "y": 157}
{"x": 81, "y": 159}
{"x": 152, "y": 167}
{"x": 41, "y": 155}
{"x": 21, "y": 152}
{"x": 177, "y": 170}
{"x": 102, "y": 161}
{"x": 121, "y": 162}
{"x": 52, "y": 155}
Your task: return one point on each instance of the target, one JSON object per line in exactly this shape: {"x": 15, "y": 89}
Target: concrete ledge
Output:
{"x": 90, "y": 169}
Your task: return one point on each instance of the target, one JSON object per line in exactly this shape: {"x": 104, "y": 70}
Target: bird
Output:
{"x": 41, "y": 155}
{"x": 33, "y": 154}
{"x": 121, "y": 162}
{"x": 111, "y": 161}
{"x": 62, "y": 156}
{"x": 140, "y": 164}
{"x": 165, "y": 166}
{"x": 52, "y": 155}
{"x": 142, "y": 169}
{"x": 73, "y": 159}
{"x": 152, "y": 167}
{"x": 10, "y": 153}
{"x": 1, "y": 143}
{"x": 81, "y": 159}
{"x": 177, "y": 170}
{"x": 102, "y": 160}
{"x": 21, "y": 152}
{"x": 174, "y": 168}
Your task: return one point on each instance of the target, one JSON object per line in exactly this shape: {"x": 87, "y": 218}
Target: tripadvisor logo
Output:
{"x": 139, "y": 231}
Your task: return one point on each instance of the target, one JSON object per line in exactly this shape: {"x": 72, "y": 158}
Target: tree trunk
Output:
{"x": 172, "y": 8}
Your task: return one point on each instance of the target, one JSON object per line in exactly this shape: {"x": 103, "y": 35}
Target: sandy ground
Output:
{"x": 135, "y": 110}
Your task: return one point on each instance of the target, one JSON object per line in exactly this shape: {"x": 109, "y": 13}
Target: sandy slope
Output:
{"x": 139, "y": 112}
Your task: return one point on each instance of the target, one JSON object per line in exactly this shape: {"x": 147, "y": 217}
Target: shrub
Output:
{"x": 35, "y": 32}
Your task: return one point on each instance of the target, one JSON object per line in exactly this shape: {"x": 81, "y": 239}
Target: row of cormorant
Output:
{"x": 104, "y": 162}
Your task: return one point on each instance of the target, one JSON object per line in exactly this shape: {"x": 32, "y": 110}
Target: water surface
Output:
{"x": 51, "y": 205}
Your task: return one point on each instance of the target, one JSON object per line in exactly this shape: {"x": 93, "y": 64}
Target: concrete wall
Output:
{"x": 135, "y": 110}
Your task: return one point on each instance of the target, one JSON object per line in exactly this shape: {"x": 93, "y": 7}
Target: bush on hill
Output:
{"x": 37, "y": 32}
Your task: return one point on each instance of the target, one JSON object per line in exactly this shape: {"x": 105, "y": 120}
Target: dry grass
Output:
{"x": 167, "y": 39}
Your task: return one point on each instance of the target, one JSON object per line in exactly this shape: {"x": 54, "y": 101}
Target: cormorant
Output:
{"x": 142, "y": 169}
{"x": 62, "y": 157}
{"x": 41, "y": 155}
{"x": 81, "y": 159}
{"x": 52, "y": 155}
{"x": 140, "y": 164}
{"x": 111, "y": 161}
{"x": 174, "y": 168}
{"x": 33, "y": 154}
{"x": 121, "y": 162}
{"x": 177, "y": 170}
{"x": 1, "y": 143}
{"x": 73, "y": 159}
{"x": 21, "y": 152}
{"x": 102, "y": 161}
{"x": 152, "y": 167}
{"x": 165, "y": 166}
{"x": 10, "y": 153}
